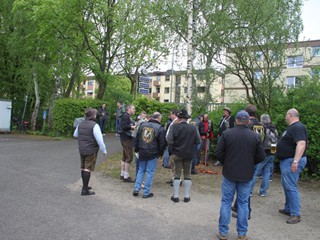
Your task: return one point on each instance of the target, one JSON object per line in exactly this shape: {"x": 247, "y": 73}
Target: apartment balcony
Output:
{"x": 156, "y": 83}
{"x": 156, "y": 95}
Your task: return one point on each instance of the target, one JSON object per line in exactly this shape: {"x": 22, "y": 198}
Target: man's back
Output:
{"x": 239, "y": 150}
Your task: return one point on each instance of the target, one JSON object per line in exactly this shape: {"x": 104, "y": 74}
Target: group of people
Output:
{"x": 245, "y": 149}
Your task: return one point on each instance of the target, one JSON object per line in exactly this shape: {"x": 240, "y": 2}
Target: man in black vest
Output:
{"x": 89, "y": 141}
{"x": 182, "y": 138}
{"x": 150, "y": 144}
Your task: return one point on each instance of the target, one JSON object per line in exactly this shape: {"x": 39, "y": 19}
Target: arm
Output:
{"x": 220, "y": 150}
{"x": 170, "y": 138}
{"x": 300, "y": 148}
{"x": 98, "y": 136}
{"x": 76, "y": 133}
{"x": 162, "y": 140}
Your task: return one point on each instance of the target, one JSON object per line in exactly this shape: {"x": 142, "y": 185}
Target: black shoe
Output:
{"x": 148, "y": 196}
{"x": 293, "y": 219}
{"x": 186, "y": 199}
{"x": 206, "y": 164}
{"x": 128, "y": 180}
{"x": 194, "y": 172}
{"x": 282, "y": 211}
{"x": 169, "y": 182}
{"x": 89, "y": 188}
{"x": 121, "y": 178}
{"x": 87, "y": 193}
{"x": 135, "y": 193}
{"x": 175, "y": 199}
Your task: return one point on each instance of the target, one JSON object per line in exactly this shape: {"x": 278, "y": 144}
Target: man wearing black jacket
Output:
{"x": 127, "y": 126}
{"x": 239, "y": 150}
{"x": 182, "y": 139}
{"x": 150, "y": 144}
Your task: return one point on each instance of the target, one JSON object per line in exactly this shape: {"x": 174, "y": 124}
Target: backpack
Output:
{"x": 271, "y": 137}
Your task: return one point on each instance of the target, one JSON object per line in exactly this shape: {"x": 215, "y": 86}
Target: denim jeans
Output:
{"x": 264, "y": 168}
{"x": 165, "y": 158}
{"x": 196, "y": 157}
{"x": 101, "y": 125}
{"x": 289, "y": 181}
{"x": 243, "y": 193}
{"x": 205, "y": 146}
{"x": 118, "y": 125}
{"x": 148, "y": 168}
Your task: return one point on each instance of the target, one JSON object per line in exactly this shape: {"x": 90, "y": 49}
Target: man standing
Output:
{"x": 118, "y": 116}
{"x": 266, "y": 165}
{"x": 239, "y": 149}
{"x": 89, "y": 141}
{"x": 227, "y": 121}
{"x": 103, "y": 116}
{"x": 206, "y": 133}
{"x": 127, "y": 126}
{"x": 182, "y": 138}
{"x": 291, "y": 152}
{"x": 150, "y": 145}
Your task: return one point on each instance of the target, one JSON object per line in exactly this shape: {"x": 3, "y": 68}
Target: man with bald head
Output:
{"x": 291, "y": 153}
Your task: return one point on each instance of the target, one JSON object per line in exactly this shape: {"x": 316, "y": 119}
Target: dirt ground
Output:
{"x": 202, "y": 211}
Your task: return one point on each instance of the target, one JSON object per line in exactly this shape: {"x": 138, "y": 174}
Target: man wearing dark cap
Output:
{"x": 239, "y": 149}
{"x": 89, "y": 141}
{"x": 181, "y": 139}
{"x": 150, "y": 144}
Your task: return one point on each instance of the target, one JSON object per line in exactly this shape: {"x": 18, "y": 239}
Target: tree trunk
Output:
{"x": 190, "y": 57}
{"x": 36, "y": 105}
{"x": 51, "y": 104}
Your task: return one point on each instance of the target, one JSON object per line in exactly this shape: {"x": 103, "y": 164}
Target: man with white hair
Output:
{"x": 291, "y": 151}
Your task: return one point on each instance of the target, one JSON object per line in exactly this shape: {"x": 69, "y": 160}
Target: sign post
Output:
{"x": 144, "y": 84}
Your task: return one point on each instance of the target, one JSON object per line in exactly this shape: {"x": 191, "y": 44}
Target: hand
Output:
{"x": 294, "y": 167}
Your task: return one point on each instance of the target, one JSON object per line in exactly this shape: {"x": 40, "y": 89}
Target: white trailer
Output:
{"x": 5, "y": 115}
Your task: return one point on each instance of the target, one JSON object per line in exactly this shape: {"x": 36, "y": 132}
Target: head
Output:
{"x": 292, "y": 116}
{"x": 173, "y": 114}
{"x": 156, "y": 116}
{"x": 183, "y": 115}
{"x": 90, "y": 114}
{"x": 205, "y": 117}
{"x": 252, "y": 110}
{"x": 242, "y": 118}
{"x": 143, "y": 115}
{"x": 200, "y": 116}
{"x": 119, "y": 103}
{"x": 103, "y": 105}
{"x": 265, "y": 119}
{"x": 131, "y": 109}
{"x": 226, "y": 112}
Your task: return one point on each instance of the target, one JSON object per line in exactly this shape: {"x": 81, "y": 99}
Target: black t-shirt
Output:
{"x": 286, "y": 147}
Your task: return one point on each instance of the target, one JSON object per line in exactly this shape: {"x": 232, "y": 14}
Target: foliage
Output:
{"x": 67, "y": 110}
{"x": 142, "y": 103}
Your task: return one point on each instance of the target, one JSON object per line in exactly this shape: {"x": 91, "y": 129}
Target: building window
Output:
{"x": 185, "y": 90}
{"x": 259, "y": 56}
{"x": 166, "y": 100}
{"x": 166, "y": 90}
{"x": 258, "y": 75}
{"x": 158, "y": 90}
{"x": 158, "y": 78}
{"x": 316, "y": 51}
{"x": 90, "y": 83}
{"x": 201, "y": 89}
{"x": 167, "y": 78}
{"x": 90, "y": 93}
{"x": 295, "y": 61}
{"x": 292, "y": 81}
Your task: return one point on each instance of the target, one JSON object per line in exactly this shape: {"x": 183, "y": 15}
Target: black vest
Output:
{"x": 86, "y": 141}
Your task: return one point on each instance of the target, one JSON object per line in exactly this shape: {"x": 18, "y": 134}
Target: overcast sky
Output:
{"x": 311, "y": 20}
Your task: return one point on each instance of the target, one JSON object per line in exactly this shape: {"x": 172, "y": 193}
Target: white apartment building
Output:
{"x": 171, "y": 86}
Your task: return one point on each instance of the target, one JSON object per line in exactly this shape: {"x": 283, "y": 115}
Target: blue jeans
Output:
{"x": 118, "y": 125}
{"x": 243, "y": 193}
{"x": 101, "y": 124}
{"x": 289, "y": 181}
{"x": 196, "y": 157}
{"x": 166, "y": 158}
{"x": 148, "y": 167}
{"x": 264, "y": 168}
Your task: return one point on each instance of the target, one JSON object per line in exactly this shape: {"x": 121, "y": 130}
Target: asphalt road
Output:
{"x": 40, "y": 197}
